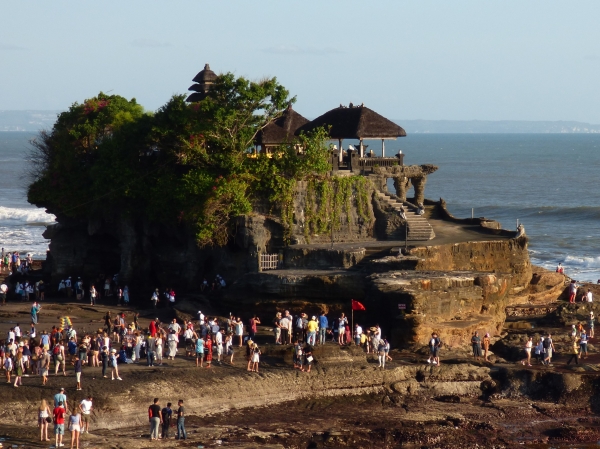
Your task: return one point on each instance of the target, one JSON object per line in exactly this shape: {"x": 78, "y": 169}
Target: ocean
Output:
{"x": 548, "y": 182}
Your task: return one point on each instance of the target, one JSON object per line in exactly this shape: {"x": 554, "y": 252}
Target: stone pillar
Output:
{"x": 401, "y": 184}
{"x": 419, "y": 184}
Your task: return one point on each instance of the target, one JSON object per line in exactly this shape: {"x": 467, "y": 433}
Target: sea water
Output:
{"x": 549, "y": 182}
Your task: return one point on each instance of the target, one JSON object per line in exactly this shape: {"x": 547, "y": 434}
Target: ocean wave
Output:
{"x": 18, "y": 216}
{"x": 583, "y": 262}
{"x": 562, "y": 212}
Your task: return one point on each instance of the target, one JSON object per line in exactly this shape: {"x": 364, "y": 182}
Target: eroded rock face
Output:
{"x": 453, "y": 304}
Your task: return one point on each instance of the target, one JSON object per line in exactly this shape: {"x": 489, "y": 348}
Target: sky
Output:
{"x": 434, "y": 60}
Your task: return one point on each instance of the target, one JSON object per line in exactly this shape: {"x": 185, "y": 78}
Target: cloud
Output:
{"x": 295, "y": 50}
{"x": 149, "y": 43}
{"x": 5, "y": 46}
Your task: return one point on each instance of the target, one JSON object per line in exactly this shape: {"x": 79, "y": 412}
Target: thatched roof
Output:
{"x": 204, "y": 80}
{"x": 205, "y": 76}
{"x": 282, "y": 129}
{"x": 355, "y": 122}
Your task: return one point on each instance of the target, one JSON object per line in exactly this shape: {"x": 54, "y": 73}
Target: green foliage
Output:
{"x": 187, "y": 163}
{"x": 330, "y": 200}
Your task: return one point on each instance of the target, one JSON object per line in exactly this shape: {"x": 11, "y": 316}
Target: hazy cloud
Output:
{"x": 5, "y": 46}
{"x": 149, "y": 43}
{"x": 295, "y": 50}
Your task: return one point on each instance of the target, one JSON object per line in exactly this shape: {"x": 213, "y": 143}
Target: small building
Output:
{"x": 279, "y": 131}
{"x": 203, "y": 82}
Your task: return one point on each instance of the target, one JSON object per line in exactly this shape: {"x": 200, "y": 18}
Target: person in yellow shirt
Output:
{"x": 312, "y": 327}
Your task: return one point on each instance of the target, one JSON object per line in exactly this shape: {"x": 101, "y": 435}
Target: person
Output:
{"x": 572, "y": 291}
{"x": 342, "y": 321}
{"x": 381, "y": 354}
{"x": 166, "y": 414}
{"x": 35, "y": 308}
{"x": 323, "y": 326}
{"x": 591, "y": 325}
{"x": 253, "y": 329}
{"x": 528, "y": 347}
{"x": 574, "y": 351}
{"x": 113, "y": 364}
{"x": 486, "y": 346}
{"x": 284, "y": 324}
{"x": 181, "y": 434}
{"x": 199, "y": 351}
{"x": 434, "y": 349}
{"x": 45, "y": 365}
{"x": 60, "y": 358}
{"x": 589, "y": 297}
{"x": 155, "y": 418}
{"x": 239, "y": 331}
{"x": 8, "y": 367}
{"x": 126, "y": 295}
{"x": 77, "y": 364}
{"x": 150, "y": 350}
{"x": 93, "y": 295}
{"x": 548, "y": 348}
{"x": 476, "y": 343}
{"x": 255, "y": 357}
{"x": 560, "y": 269}
{"x": 59, "y": 423}
{"x": 19, "y": 368}
{"x": 308, "y": 358}
{"x": 311, "y": 331}
{"x": 539, "y": 351}
{"x": 75, "y": 428}
{"x": 172, "y": 340}
{"x": 208, "y": 350}
{"x": 42, "y": 290}
{"x": 86, "y": 407}
{"x": 43, "y": 415}
{"x": 298, "y": 358}
{"x": 583, "y": 344}
{"x": 229, "y": 347}
{"x": 155, "y": 298}
{"x": 277, "y": 328}
{"x": 357, "y": 334}
{"x": 61, "y": 398}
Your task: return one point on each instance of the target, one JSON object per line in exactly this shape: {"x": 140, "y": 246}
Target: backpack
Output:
{"x": 546, "y": 343}
{"x": 56, "y": 350}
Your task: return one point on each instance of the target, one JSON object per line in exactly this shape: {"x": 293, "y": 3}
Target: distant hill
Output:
{"x": 500, "y": 126}
{"x": 31, "y": 121}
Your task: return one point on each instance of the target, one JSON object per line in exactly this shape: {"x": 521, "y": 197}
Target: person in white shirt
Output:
{"x": 17, "y": 330}
{"x": 357, "y": 333}
{"x": 200, "y": 317}
{"x": 86, "y": 409}
{"x": 589, "y": 296}
{"x": 219, "y": 345}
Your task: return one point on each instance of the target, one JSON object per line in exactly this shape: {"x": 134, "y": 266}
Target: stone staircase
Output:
{"x": 418, "y": 226}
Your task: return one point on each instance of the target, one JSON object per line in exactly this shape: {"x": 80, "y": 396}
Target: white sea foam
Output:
{"x": 17, "y": 216}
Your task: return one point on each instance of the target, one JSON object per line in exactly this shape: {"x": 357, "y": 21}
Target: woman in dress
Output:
{"x": 172, "y": 341}
{"x": 208, "y": 351}
{"x": 239, "y": 331}
{"x": 19, "y": 368}
{"x": 255, "y": 357}
{"x": 158, "y": 344}
{"x": 43, "y": 413}
{"x": 75, "y": 428}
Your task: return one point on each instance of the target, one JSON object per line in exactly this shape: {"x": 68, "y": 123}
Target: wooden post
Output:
{"x": 382, "y": 148}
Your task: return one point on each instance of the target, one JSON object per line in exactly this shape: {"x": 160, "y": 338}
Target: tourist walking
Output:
{"x": 181, "y": 434}
{"x": 574, "y": 351}
{"x": 208, "y": 351}
{"x": 77, "y": 364}
{"x": 277, "y": 328}
{"x": 583, "y": 344}
{"x": 93, "y": 295}
{"x": 150, "y": 348}
{"x": 434, "y": 349}
{"x": 254, "y": 321}
{"x": 591, "y": 325}
{"x": 308, "y": 358}
{"x": 75, "y": 428}
{"x": 104, "y": 357}
{"x": 45, "y": 365}
{"x": 572, "y": 291}
{"x": 528, "y": 347}
{"x": 43, "y": 420}
{"x": 199, "y": 351}
{"x": 155, "y": 418}
{"x": 86, "y": 407}
{"x": 61, "y": 397}
{"x": 59, "y": 424}
{"x": 548, "y": 350}
{"x": 35, "y": 310}
{"x": 311, "y": 331}
{"x": 239, "y": 331}
{"x": 19, "y": 368}
{"x": 381, "y": 354}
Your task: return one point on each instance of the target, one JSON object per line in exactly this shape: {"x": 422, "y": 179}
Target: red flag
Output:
{"x": 357, "y": 305}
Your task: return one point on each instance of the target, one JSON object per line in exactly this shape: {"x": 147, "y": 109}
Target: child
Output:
{"x": 255, "y": 357}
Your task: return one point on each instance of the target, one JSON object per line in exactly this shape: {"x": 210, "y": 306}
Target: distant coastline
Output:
{"x": 35, "y": 120}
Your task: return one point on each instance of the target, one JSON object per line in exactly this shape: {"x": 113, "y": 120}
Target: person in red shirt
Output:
{"x": 152, "y": 328}
{"x": 59, "y": 424}
{"x": 253, "y": 322}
